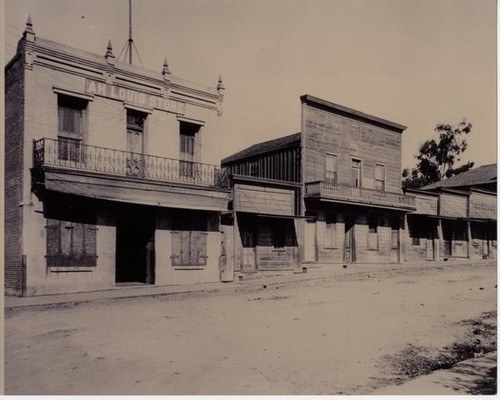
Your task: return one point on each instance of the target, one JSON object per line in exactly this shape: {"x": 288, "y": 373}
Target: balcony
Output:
{"x": 349, "y": 194}
{"x": 72, "y": 155}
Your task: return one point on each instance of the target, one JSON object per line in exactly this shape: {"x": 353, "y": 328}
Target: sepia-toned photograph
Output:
{"x": 250, "y": 197}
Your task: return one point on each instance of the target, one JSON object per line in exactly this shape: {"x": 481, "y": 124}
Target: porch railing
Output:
{"x": 71, "y": 154}
{"x": 340, "y": 191}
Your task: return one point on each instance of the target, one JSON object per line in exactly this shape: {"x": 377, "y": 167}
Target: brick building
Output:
{"x": 335, "y": 188}
{"x": 106, "y": 181}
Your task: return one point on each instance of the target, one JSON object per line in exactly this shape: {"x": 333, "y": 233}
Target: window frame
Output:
{"x": 360, "y": 169}
{"x": 335, "y": 157}
{"x": 383, "y": 180}
{"x": 70, "y": 142}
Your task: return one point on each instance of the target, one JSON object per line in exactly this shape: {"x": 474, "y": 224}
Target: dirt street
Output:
{"x": 327, "y": 336}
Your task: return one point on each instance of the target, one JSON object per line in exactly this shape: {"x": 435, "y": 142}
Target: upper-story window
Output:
{"x": 331, "y": 167}
{"x": 380, "y": 177}
{"x": 71, "y": 114}
{"x": 356, "y": 172}
{"x": 135, "y": 142}
{"x": 188, "y": 147}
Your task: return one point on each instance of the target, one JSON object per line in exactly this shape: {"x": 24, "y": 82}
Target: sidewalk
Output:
{"x": 476, "y": 376}
{"x": 315, "y": 271}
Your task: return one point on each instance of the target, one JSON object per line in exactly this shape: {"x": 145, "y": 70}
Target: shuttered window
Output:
{"x": 189, "y": 240}
{"x": 70, "y": 244}
{"x": 71, "y": 115}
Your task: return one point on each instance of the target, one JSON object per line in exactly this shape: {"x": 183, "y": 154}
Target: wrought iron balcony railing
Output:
{"x": 71, "y": 154}
{"x": 344, "y": 192}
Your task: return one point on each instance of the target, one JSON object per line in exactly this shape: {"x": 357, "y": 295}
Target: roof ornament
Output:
{"x": 28, "y": 30}
{"x": 165, "y": 71}
{"x": 220, "y": 85}
{"x": 109, "y": 51}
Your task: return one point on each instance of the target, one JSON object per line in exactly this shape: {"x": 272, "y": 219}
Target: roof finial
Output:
{"x": 29, "y": 27}
{"x": 109, "y": 51}
{"x": 165, "y": 71}
{"x": 220, "y": 85}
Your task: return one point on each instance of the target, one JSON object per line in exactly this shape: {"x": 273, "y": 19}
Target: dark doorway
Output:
{"x": 135, "y": 256}
{"x": 349, "y": 242}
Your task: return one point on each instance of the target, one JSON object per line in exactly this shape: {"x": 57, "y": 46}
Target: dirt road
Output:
{"x": 327, "y": 336}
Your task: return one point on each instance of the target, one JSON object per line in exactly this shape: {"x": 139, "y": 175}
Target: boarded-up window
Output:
{"x": 330, "y": 231}
{"x": 373, "y": 233}
{"x": 189, "y": 240}
{"x": 331, "y": 165}
{"x": 70, "y": 244}
{"x": 71, "y": 113}
{"x": 380, "y": 177}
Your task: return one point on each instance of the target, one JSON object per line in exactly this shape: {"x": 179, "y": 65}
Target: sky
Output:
{"x": 414, "y": 62}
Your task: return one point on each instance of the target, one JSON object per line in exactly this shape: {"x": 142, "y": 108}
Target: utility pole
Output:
{"x": 130, "y": 40}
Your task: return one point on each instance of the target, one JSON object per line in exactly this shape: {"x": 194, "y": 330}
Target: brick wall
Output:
{"x": 349, "y": 138}
{"x": 14, "y": 127}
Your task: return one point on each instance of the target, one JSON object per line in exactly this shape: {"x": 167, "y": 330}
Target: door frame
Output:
{"x": 349, "y": 253}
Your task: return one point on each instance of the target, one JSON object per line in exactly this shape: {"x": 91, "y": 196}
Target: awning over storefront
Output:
{"x": 137, "y": 191}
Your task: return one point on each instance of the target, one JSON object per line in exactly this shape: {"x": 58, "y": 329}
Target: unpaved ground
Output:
{"x": 326, "y": 336}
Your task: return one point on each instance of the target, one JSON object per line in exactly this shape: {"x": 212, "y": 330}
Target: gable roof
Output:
{"x": 476, "y": 176}
{"x": 263, "y": 147}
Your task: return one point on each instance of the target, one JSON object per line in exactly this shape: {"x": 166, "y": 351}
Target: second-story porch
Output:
{"x": 331, "y": 191}
{"x": 111, "y": 174}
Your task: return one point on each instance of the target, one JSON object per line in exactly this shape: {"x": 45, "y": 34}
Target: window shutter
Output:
{"x": 176, "y": 247}
{"x": 90, "y": 240}
{"x": 66, "y": 238}
{"x": 53, "y": 237}
{"x": 201, "y": 248}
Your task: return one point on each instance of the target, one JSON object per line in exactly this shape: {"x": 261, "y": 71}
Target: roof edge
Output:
{"x": 307, "y": 98}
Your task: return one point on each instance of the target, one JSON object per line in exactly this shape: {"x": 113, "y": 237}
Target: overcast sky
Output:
{"x": 414, "y": 62}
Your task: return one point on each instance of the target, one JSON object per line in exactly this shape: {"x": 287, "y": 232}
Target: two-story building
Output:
{"x": 328, "y": 194}
{"x": 106, "y": 180}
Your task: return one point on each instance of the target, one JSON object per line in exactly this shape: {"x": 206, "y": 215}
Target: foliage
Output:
{"x": 437, "y": 160}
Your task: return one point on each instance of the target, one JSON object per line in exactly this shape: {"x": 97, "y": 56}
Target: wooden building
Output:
{"x": 455, "y": 218}
{"x": 106, "y": 180}
{"x": 338, "y": 181}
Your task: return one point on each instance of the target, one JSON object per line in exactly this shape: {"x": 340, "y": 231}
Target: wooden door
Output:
{"x": 394, "y": 257}
{"x": 249, "y": 263}
{"x": 349, "y": 242}
{"x": 310, "y": 241}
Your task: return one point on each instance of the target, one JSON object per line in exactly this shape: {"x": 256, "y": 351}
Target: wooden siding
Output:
{"x": 483, "y": 205}
{"x": 348, "y": 138}
{"x": 426, "y": 204}
{"x": 283, "y": 164}
{"x": 452, "y": 205}
{"x": 263, "y": 200}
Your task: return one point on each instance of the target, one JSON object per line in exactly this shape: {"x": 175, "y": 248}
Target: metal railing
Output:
{"x": 341, "y": 191}
{"x": 69, "y": 153}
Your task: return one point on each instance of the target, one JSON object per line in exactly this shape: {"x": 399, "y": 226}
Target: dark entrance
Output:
{"x": 135, "y": 256}
{"x": 349, "y": 242}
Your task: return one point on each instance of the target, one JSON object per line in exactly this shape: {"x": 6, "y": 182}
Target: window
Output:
{"x": 373, "y": 233}
{"x": 330, "y": 232}
{"x": 135, "y": 143}
{"x": 189, "y": 240}
{"x": 71, "y": 115}
{"x": 188, "y": 145}
{"x": 356, "y": 173}
{"x": 380, "y": 177}
{"x": 331, "y": 165}
{"x": 70, "y": 244}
